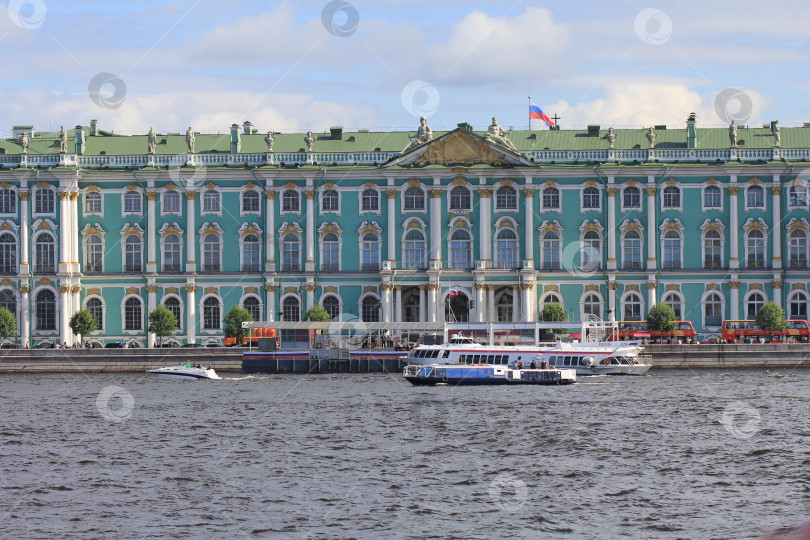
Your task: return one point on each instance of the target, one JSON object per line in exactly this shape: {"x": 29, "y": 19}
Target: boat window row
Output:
{"x": 483, "y": 359}
{"x": 429, "y": 353}
{"x": 569, "y": 361}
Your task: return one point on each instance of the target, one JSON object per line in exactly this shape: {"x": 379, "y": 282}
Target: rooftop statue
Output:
{"x": 310, "y": 140}
{"x": 777, "y": 134}
{"x": 24, "y": 141}
{"x": 152, "y": 141}
{"x": 497, "y": 135}
{"x": 611, "y": 137}
{"x": 732, "y": 134}
{"x": 423, "y": 135}
{"x": 62, "y": 140}
{"x": 651, "y": 137}
{"x": 190, "y": 140}
{"x": 270, "y": 139}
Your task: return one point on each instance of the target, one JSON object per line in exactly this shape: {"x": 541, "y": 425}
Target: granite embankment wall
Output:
{"x": 222, "y": 359}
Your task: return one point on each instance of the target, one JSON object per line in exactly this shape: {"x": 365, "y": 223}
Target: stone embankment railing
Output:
{"x": 730, "y": 356}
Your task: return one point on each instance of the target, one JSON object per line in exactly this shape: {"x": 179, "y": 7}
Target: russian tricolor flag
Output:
{"x": 536, "y": 114}
{"x": 452, "y": 292}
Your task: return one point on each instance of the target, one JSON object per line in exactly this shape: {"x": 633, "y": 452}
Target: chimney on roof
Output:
{"x": 337, "y": 133}
{"x": 236, "y": 139}
{"x": 80, "y": 140}
{"x": 93, "y": 127}
{"x": 691, "y": 132}
{"x": 247, "y": 127}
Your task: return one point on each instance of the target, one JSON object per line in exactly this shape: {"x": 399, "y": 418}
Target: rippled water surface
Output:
{"x": 673, "y": 454}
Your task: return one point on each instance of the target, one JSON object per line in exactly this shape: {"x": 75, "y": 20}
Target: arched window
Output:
{"x": 414, "y": 199}
{"x": 330, "y": 202}
{"x": 8, "y": 201}
{"x": 290, "y": 253}
{"x": 506, "y": 249}
{"x": 551, "y": 251}
{"x": 290, "y": 201}
{"x": 590, "y": 198}
{"x": 591, "y": 251}
{"x": 95, "y": 256}
{"x": 290, "y": 309}
{"x": 132, "y": 314}
{"x": 370, "y": 253}
{"x": 44, "y": 254}
{"x": 460, "y": 250}
{"x": 44, "y": 201}
{"x": 330, "y": 253}
{"x": 551, "y": 298}
{"x": 505, "y": 307}
{"x": 506, "y": 198}
{"x": 754, "y": 304}
{"x": 251, "y": 251}
{"x": 798, "y": 306}
{"x": 460, "y": 198}
{"x": 631, "y": 254}
{"x": 755, "y": 249}
{"x": 132, "y": 253}
{"x": 171, "y": 202}
{"x": 674, "y": 301}
{"x": 712, "y": 249}
{"x": 592, "y": 305}
{"x": 173, "y": 305}
{"x": 632, "y": 307}
{"x": 211, "y": 312}
{"x": 370, "y": 309}
{"x": 132, "y": 202}
{"x": 551, "y": 198}
{"x": 9, "y": 301}
{"x": 332, "y": 306}
{"x": 251, "y": 202}
{"x": 672, "y": 250}
{"x": 92, "y": 202}
{"x": 96, "y": 309}
{"x": 798, "y": 195}
{"x": 211, "y": 253}
{"x": 713, "y": 310}
{"x": 712, "y": 197}
{"x": 8, "y": 254}
{"x": 251, "y": 304}
{"x": 171, "y": 253}
{"x": 631, "y": 197}
{"x": 211, "y": 201}
{"x": 798, "y": 249}
{"x": 755, "y": 197}
{"x": 46, "y": 310}
{"x": 414, "y": 251}
{"x": 370, "y": 200}
{"x": 672, "y": 197}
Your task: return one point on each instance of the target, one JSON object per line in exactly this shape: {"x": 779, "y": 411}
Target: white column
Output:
{"x": 652, "y": 229}
{"x": 529, "y": 217}
{"x": 652, "y": 297}
{"x": 612, "y": 301}
{"x": 480, "y": 305}
{"x": 492, "y": 316}
{"x": 64, "y": 231}
{"x": 64, "y": 314}
{"x": 484, "y": 208}
{"x": 310, "y": 232}
{"x": 516, "y": 304}
{"x": 422, "y": 304}
{"x": 151, "y": 238}
{"x": 25, "y": 316}
{"x": 191, "y": 242}
{"x": 611, "y": 228}
{"x": 734, "y": 299}
{"x": 435, "y": 228}
{"x": 525, "y": 302}
{"x": 398, "y": 304}
{"x": 25, "y": 229}
{"x": 310, "y": 290}
{"x": 777, "y": 221}
{"x": 777, "y": 292}
{"x": 392, "y": 239}
{"x": 151, "y": 302}
{"x": 270, "y": 231}
{"x": 387, "y": 307}
{"x": 433, "y": 302}
{"x": 191, "y": 314}
{"x": 270, "y": 305}
{"x": 73, "y": 241}
{"x": 734, "y": 260}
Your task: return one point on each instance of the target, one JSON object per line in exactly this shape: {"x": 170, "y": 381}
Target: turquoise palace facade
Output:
{"x": 397, "y": 226}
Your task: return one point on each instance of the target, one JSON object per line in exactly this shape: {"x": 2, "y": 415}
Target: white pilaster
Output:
{"x": 151, "y": 302}
{"x": 734, "y": 299}
{"x": 734, "y": 259}
{"x": 271, "y": 302}
{"x": 435, "y": 228}
{"x": 73, "y": 241}
{"x": 612, "y": 302}
{"x": 25, "y": 316}
{"x": 310, "y": 231}
{"x": 433, "y": 302}
{"x": 516, "y": 304}
{"x": 652, "y": 296}
{"x": 484, "y": 211}
{"x": 652, "y": 241}
{"x": 387, "y": 307}
{"x": 528, "y": 234}
{"x": 65, "y": 335}
{"x": 392, "y": 239}
{"x": 310, "y": 296}
{"x": 64, "y": 232}
{"x": 611, "y": 229}
{"x": 270, "y": 232}
{"x": 398, "y": 304}
{"x": 525, "y": 303}
{"x": 422, "y": 304}
{"x": 25, "y": 229}
{"x": 191, "y": 313}
{"x": 480, "y": 303}
{"x": 492, "y": 316}
{"x": 191, "y": 242}
{"x": 151, "y": 239}
{"x": 776, "y": 189}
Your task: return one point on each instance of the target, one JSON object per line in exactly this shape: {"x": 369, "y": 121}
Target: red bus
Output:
{"x": 638, "y": 329}
{"x": 743, "y": 329}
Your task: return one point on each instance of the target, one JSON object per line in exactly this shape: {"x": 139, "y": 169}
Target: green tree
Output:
{"x": 82, "y": 323}
{"x": 8, "y": 323}
{"x": 553, "y": 313}
{"x": 233, "y": 323}
{"x": 317, "y": 313}
{"x": 771, "y": 318}
{"x": 661, "y": 318}
{"x": 162, "y": 322}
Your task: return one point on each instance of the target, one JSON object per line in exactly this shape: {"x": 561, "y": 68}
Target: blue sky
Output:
{"x": 379, "y": 65}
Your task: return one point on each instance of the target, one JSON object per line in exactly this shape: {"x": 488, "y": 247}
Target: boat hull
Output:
{"x": 180, "y": 372}
{"x": 466, "y": 381}
{"x": 480, "y": 375}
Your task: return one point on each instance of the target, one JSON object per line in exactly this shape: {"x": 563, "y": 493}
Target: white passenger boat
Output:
{"x": 463, "y": 374}
{"x": 186, "y": 371}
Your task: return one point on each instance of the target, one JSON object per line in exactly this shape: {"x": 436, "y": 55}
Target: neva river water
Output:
{"x": 672, "y": 454}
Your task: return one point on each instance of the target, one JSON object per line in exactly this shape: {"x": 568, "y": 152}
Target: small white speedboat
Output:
{"x": 186, "y": 371}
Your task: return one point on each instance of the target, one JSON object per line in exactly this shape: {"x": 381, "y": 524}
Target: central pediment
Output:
{"x": 460, "y": 148}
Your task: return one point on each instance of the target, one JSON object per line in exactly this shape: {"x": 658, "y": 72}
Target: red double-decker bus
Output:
{"x": 629, "y": 330}
{"x": 741, "y": 330}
